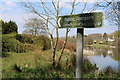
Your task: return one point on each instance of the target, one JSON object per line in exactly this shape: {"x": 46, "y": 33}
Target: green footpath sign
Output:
{"x": 86, "y": 20}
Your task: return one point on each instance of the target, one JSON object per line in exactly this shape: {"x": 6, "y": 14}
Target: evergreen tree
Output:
{"x": 9, "y": 27}
{"x": 105, "y": 36}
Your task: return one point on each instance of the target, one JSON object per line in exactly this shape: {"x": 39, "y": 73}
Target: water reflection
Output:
{"x": 103, "y": 57}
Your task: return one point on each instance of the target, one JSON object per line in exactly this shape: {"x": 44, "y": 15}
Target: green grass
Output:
{"x": 28, "y": 57}
{"x": 39, "y": 66}
{"x": 99, "y": 45}
{"x": 36, "y": 61}
{"x": 17, "y": 58}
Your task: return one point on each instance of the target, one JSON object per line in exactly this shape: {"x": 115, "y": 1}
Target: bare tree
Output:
{"x": 50, "y": 14}
{"x": 113, "y": 13}
{"x": 34, "y": 26}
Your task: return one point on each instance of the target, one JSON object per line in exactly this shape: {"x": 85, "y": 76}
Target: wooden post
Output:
{"x": 79, "y": 52}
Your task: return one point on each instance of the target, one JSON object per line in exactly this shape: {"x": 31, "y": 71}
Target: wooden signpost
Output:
{"x": 86, "y": 20}
{"x": 80, "y": 21}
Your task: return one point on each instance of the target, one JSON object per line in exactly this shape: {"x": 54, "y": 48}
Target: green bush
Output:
{"x": 18, "y": 37}
{"x": 42, "y": 41}
{"x": 25, "y": 71}
{"x": 73, "y": 60}
{"x": 22, "y": 68}
{"x": 9, "y": 36}
{"x": 88, "y": 67}
{"x": 10, "y": 44}
{"x": 20, "y": 43}
{"x": 5, "y": 54}
{"x": 28, "y": 47}
{"x": 25, "y": 38}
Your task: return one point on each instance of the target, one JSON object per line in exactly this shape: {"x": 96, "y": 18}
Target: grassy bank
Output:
{"x": 37, "y": 64}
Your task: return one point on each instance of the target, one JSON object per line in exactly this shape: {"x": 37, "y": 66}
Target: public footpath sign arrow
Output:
{"x": 80, "y": 21}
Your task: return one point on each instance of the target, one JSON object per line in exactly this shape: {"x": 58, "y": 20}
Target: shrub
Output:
{"x": 42, "y": 41}
{"x": 25, "y": 38}
{"x": 70, "y": 46}
{"x": 22, "y": 68}
{"x": 73, "y": 59}
{"x": 9, "y": 36}
{"x": 25, "y": 71}
{"x": 108, "y": 73}
{"x": 18, "y": 37}
{"x": 29, "y": 47}
{"x": 60, "y": 44}
{"x": 22, "y": 43}
{"x": 88, "y": 67}
{"x": 5, "y": 54}
{"x": 13, "y": 45}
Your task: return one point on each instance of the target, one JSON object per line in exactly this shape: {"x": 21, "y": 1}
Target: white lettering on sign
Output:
{"x": 80, "y": 24}
{"x": 87, "y": 20}
{"x": 77, "y": 18}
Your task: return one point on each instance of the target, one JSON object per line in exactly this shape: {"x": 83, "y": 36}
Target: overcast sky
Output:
{"x": 15, "y": 12}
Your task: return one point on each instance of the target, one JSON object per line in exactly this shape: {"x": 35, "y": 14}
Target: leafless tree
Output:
{"x": 113, "y": 13}
{"x": 50, "y": 12}
{"x": 34, "y": 26}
